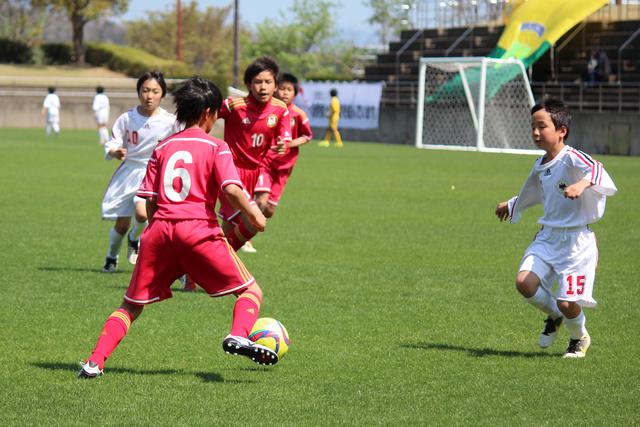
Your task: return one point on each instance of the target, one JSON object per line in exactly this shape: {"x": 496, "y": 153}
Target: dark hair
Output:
{"x": 51, "y": 89}
{"x": 194, "y": 97}
{"x": 289, "y": 78}
{"x": 559, "y": 112}
{"x": 157, "y": 75}
{"x": 333, "y": 92}
{"x": 100, "y": 89}
{"x": 259, "y": 65}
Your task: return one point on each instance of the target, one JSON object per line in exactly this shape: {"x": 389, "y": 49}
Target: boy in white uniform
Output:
{"x": 135, "y": 135}
{"x": 51, "y": 111}
{"x": 572, "y": 188}
{"x": 101, "y": 110}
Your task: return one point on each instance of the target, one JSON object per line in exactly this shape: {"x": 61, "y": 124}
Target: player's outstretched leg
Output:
{"x": 114, "y": 330}
{"x": 245, "y": 313}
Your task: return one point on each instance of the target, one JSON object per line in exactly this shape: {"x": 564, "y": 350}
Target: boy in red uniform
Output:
{"x": 185, "y": 175}
{"x": 276, "y": 169}
{"x": 253, "y": 125}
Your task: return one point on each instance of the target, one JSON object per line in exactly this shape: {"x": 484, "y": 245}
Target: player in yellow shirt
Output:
{"x": 334, "y": 116}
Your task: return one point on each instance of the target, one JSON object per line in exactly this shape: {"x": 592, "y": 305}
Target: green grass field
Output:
{"x": 396, "y": 288}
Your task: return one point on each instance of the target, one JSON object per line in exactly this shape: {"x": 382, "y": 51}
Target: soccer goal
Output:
{"x": 479, "y": 104}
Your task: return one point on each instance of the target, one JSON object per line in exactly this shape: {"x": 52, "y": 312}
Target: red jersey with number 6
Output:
{"x": 185, "y": 174}
{"x": 251, "y": 128}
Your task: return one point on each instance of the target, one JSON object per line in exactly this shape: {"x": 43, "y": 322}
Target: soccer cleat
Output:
{"x": 339, "y": 145}
{"x": 578, "y": 348}
{"x": 260, "y": 354}
{"x": 132, "y": 250}
{"x": 323, "y": 144}
{"x": 89, "y": 370}
{"x": 110, "y": 265}
{"x": 188, "y": 284}
{"x": 550, "y": 331}
{"x": 248, "y": 247}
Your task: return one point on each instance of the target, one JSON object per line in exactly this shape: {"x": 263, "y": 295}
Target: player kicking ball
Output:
{"x": 572, "y": 188}
{"x": 185, "y": 174}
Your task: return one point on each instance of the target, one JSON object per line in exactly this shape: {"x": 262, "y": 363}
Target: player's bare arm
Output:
{"x": 575, "y": 190}
{"x": 238, "y": 199}
{"x": 151, "y": 207}
{"x": 299, "y": 141}
{"x": 118, "y": 153}
{"x": 502, "y": 211}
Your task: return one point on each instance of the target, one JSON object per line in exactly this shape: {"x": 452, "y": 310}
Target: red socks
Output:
{"x": 246, "y": 311}
{"x": 115, "y": 328}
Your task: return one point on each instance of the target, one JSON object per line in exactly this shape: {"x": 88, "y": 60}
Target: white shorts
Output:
{"x": 120, "y": 198}
{"x": 102, "y": 117}
{"x": 568, "y": 256}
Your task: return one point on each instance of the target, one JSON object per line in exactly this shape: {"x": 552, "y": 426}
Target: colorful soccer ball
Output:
{"x": 270, "y": 333}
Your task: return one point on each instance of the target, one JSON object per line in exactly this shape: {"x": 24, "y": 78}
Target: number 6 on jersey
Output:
{"x": 171, "y": 173}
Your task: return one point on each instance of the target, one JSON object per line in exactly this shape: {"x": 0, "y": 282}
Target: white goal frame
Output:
{"x": 476, "y": 110}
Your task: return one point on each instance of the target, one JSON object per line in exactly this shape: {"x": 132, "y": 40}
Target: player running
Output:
{"x": 276, "y": 169}
{"x": 100, "y": 107}
{"x": 254, "y": 125}
{"x": 51, "y": 112}
{"x": 135, "y": 134}
{"x": 187, "y": 172}
{"x": 572, "y": 187}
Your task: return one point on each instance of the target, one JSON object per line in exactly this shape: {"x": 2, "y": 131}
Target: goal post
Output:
{"x": 474, "y": 103}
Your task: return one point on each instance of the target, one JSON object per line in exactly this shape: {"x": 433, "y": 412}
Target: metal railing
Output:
{"x": 602, "y": 97}
{"x": 400, "y": 52}
{"x": 622, "y": 47}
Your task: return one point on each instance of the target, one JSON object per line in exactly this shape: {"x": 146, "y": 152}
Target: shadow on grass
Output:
{"x": 210, "y": 377}
{"x": 476, "y": 352}
{"x": 80, "y": 270}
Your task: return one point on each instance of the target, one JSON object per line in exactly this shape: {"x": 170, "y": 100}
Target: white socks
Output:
{"x": 136, "y": 229}
{"x": 115, "y": 243}
{"x": 576, "y": 326}
{"x": 543, "y": 301}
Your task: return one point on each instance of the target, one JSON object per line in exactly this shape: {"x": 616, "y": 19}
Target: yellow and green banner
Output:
{"x": 532, "y": 26}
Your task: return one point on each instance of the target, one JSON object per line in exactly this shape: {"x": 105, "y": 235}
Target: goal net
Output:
{"x": 478, "y": 104}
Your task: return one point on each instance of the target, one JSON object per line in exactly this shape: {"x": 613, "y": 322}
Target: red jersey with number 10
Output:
{"x": 300, "y": 127}
{"x": 252, "y": 128}
{"x": 186, "y": 172}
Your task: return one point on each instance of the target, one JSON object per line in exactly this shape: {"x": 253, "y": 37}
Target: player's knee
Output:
{"x": 122, "y": 225}
{"x": 133, "y": 309}
{"x": 569, "y": 309}
{"x": 526, "y": 284}
{"x": 256, "y": 290}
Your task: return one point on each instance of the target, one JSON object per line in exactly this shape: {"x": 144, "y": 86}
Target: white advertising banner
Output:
{"x": 359, "y": 103}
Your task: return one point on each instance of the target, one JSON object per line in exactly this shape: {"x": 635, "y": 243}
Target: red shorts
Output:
{"x": 169, "y": 249}
{"x": 249, "y": 177}
{"x": 272, "y": 181}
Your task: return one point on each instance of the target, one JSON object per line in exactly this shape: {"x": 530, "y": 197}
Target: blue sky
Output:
{"x": 351, "y": 16}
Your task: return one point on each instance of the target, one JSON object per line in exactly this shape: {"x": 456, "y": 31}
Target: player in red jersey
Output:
{"x": 253, "y": 125}
{"x": 185, "y": 175}
{"x": 276, "y": 169}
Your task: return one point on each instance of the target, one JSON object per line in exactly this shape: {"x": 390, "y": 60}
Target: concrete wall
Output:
{"x": 596, "y": 133}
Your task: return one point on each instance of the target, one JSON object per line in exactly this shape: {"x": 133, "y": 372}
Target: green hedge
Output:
{"x": 57, "y": 53}
{"x": 15, "y": 52}
{"x": 133, "y": 62}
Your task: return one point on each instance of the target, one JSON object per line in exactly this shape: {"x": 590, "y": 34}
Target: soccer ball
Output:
{"x": 271, "y": 333}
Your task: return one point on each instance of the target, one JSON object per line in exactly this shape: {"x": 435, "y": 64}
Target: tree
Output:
{"x": 206, "y": 40}
{"x": 80, "y": 12}
{"x": 302, "y": 42}
{"x": 389, "y": 15}
{"x": 21, "y": 21}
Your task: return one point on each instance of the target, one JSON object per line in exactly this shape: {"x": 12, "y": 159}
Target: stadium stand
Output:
{"x": 559, "y": 72}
